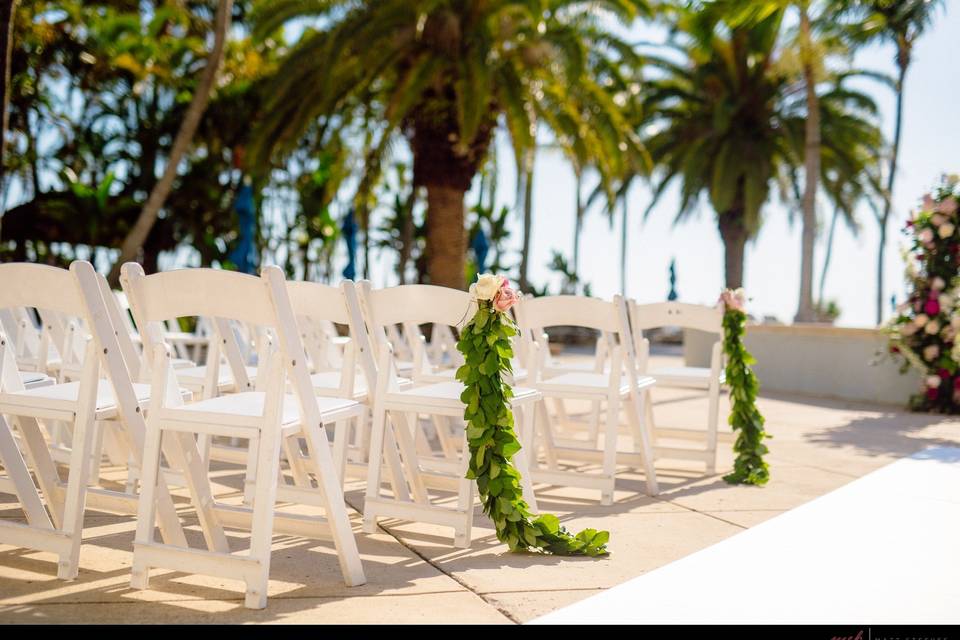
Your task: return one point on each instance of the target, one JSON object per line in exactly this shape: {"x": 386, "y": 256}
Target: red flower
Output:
{"x": 931, "y": 394}
{"x": 932, "y": 307}
{"x": 943, "y": 373}
{"x": 895, "y": 349}
{"x": 956, "y": 382}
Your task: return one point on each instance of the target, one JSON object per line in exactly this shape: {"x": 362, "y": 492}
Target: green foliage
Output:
{"x": 745, "y": 418}
{"x": 485, "y": 343}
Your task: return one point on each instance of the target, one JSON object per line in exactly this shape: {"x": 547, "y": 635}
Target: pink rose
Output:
{"x": 505, "y": 298}
{"x": 948, "y": 206}
{"x": 734, "y": 299}
{"x": 932, "y": 307}
{"x": 928, "y": 203}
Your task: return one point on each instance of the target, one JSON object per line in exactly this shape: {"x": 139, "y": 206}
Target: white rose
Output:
{"x": 908, "y": 329}
{"x": 487, "y": 286}
{"x": 937, "y": 219}
{"x": 931, "y": 352}
{"x": 938, "y": 283}
{"x": 921, "y": 320}
{"x": 948, "y": 333}
{"x": 955, "y": 322}
{"x": 946, "y": 230}
{"x": 933, "y": 381}
{"x": 946, "y": 302}
{"x": 926, "y": 236}
{"x": 933, "y": 327}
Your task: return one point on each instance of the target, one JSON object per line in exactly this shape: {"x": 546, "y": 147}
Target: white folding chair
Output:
{"x": 644, "y": 317}
{"x": 265, "y": 418}
{"x": 396, "y": 413}
{"x": 618, "y": 386}
{"x": 54, "y": 514}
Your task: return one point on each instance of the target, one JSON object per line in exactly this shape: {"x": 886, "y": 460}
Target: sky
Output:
{"x": 930, "y": 147}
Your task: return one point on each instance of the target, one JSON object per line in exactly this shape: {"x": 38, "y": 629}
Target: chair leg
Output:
{"x": 146, "y": 507}
{"x": 332, "y": 494}
{"x": 264, "y": 505}
{"x": 84, "y": 434}
{"x": 341, "y": 434}
{"x": 636, "y": 412}
{"x": 373, "y": 467}
{"x": 463, "y": 534}
{"x": 545, "y": 426}
{"x": 713, "y": 418}
{"x": 96, "y": 453}
{"x": 610, "y": 448}
{"x": 250, "y": 475}
{"x": 523, "y": 456}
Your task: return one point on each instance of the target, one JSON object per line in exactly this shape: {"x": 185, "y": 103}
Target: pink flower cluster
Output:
{"x": 926, "y": 331}
{"x": 505, "y": 298}
{"x": 733, "y": 299}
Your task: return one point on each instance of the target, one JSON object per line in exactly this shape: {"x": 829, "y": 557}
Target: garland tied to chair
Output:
{"x": 745, "y": 418}
{"x": 485, "y": 343}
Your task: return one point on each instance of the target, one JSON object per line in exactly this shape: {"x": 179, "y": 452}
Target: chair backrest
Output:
{"x": 608, "y": 317}
{"x": 675, "y": 314}
{"x": 417, "y": 304}
{"x": 412, "y": 304}
{"x": 217, "y": 294}
{"x": 317, "y": 303}
{"x": 75, "y": 293}
{"x": 567, "y": 311}
{"x": 53, "y": 292}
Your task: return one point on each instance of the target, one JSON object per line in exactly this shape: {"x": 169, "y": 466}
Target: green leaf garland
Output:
{"x": 485, "y": 343}
{"x": 745, "y": 418}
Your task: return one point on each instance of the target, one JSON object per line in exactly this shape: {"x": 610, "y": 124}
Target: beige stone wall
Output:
{"x": 819, "y": 360}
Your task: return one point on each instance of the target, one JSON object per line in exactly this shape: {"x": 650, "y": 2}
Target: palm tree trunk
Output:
{"x": 8, "y": 10}
{"x": 811, "y": 174}
{"x": 527, "y": 177}
{"x": 903, "y": 61}
{"x": 826, "y": 257}
{"x": 158, "y": 195}
{"x": 734, "y": 236}
{"x": 577, "y": 223}
{"x": 446, "y": 235}
{"x": 623, "y": 246}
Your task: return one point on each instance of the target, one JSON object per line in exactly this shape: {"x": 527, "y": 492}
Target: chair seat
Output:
{"x": 698, "y": 377}
{"x": 63, "y": 397}
{"x": 246, "y": 409}
{"x": 447, "y": 395}
{"x": 34, "y": 379}
{"x": 185, "y": 338}
{"x": 196, "y": 375}
{"x": 589, "y": 383}
{"x": 329, "y": 381}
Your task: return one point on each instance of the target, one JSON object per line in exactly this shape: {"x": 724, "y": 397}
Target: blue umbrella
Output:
{"x": 480, "y": 246}
{"x": 349, "y": 229}
{"x": 244, "y": 255}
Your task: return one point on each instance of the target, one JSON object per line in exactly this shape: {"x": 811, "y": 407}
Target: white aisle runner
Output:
{"x": 884, "y": 549}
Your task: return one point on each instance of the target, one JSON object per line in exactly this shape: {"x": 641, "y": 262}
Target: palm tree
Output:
{"x": 900, "y": 22}
{"x": 7, "y": 12}
{"x": 719, "y": 125}
{"x": 188, "y": 127}
{"x": 850, "y": 158}
{"x": 444, "y": 73}
{"x": 810, "y": 62}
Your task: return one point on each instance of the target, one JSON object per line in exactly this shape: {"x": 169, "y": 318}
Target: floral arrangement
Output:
{"x": 923, "y": 334}
{"x": 485, "y": 343}
{"x": 745, "y": 418}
